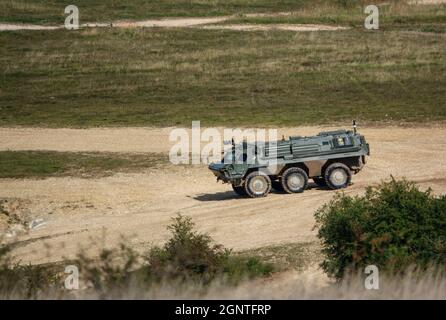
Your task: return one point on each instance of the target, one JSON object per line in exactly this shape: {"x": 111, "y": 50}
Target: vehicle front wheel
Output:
{"x": 294, "y": 180}
{"x": 337, "y": 176}
{"x": 257, "y": 184}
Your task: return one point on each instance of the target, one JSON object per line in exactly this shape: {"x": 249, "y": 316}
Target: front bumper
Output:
{"x": 220, "y": 175}
{"x": 217, "y": 170}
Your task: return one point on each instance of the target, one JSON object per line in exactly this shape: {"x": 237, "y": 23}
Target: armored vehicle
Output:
{"x": 329, "y": 159}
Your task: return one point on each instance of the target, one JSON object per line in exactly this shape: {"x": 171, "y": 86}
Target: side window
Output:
{"x": 342, "y": 141}
{"x": 347, "y": 141}
{"x": 243, "y": 157}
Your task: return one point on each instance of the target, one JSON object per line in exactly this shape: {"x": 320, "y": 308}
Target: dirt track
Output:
{"x": 139, "y": 206}
{"x": 197, "y": 22}
{"x": 200, "y": 22}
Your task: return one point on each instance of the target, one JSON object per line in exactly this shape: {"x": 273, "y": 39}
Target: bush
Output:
{"x": 187, "y": 254}
{"x": 238, "y": 268}
{"x": 393, "y": 226}
{"x": 192, "y": 256}
{"x": 188, "y": 258}
{"x": 24, "y": 281}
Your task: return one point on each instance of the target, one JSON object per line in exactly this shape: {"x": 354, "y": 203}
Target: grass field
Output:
{"x": 169, "y": 77}
{"x": 342, "y": 12}
{"x": 52, "y": 11}
{"x": 395, "y": 15}
{"x": 289, "y": 256}
{"x": 43, "y": 164}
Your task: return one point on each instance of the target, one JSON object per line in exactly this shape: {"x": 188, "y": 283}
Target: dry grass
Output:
{"x": 164, "y": 78}
{"x": 287, "y": 286}
{"x": 431, "y": 285}
{"x": 158, "y": 77}
{"x": 394, "y": 15}
{"x": 51, "y": 11}
{"x": 44, "y": 164}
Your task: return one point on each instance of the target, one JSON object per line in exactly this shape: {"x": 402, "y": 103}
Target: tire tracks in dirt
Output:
{"x": 139, "y": 206}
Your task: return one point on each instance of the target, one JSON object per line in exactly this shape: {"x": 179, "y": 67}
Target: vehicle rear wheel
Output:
{"x": 257, "y": 184}
{"x": 320, "y": 181}
{"x": 239, "y": 190}
{"x": 337, "y": 176}
{"x": 277, "y": 185}
{"x": 294, "y": 180}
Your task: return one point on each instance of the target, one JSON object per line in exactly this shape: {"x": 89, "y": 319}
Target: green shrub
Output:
{"x": 238, "y": 268}
{"x": 192, "y": 256}
{"x": 25, "y": 281}
{"x": 393, "y": 226}
{"x": 187, "y": 258}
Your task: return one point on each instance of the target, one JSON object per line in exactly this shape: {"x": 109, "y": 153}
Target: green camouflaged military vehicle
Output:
{"x": 329, "y": 158}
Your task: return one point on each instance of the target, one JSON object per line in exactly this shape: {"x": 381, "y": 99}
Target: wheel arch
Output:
{"x": 350, "y": 162}
{"x": 300, "y": 165}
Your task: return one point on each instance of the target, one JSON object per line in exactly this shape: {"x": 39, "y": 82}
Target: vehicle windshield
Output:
{"x": 229, "y": 157}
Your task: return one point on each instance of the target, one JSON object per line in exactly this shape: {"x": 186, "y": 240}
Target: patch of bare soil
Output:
{"x": 14, "y": 27}
{"x": 182, "y": 23}
{"x": 191, "y": 22}
{"x": 427, "y": 2}
{"x": 160, "y": 23}
{"x": 75, "y": 211}
{"x": 14, "y": 217}
{"x": 287, "y": 27}
{"x": 170, "y": 23}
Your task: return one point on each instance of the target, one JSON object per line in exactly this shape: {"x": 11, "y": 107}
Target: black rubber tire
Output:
{"x": 248, "y": 186}
{"x": 291, "y": 171}
{"x": 240, "y": 190}
{"x": 320, "y": 182}
{"x": 336, "y": 167}
{"x": 277, "y": 185}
